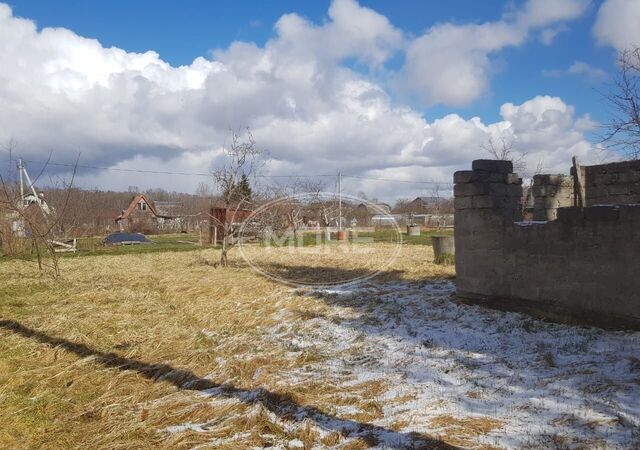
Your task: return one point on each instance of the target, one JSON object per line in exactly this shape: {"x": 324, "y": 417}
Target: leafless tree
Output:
{"x": 324, "y": 207}
{"x": 623, "y": 129}
{"x": 243, "y": 160}
{"x": 32, "y": 221}
{"x": 203, "y": 190}
{"x": 296, "y": 202}
{"x": 503, "y": 148}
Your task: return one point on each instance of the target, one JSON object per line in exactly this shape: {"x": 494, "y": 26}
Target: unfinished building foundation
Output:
{"x": 572, "y": 264}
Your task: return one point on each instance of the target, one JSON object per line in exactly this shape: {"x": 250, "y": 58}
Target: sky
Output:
{"x": 407, "y": 91}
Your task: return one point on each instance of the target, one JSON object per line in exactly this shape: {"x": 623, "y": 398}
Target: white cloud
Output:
{"x": 452, "y": 64}
{"x": 545, "y": 129}
{"x": 547, "y": 35}
{"x": 580, "y": 69}
{"x": 618, "y": 24}
{"x": 583, "y": 69}
{"x": 62, "y": 93}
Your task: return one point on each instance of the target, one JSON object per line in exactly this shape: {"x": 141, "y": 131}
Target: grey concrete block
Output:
{"x": 463, "y": 202}
{"x": 596, "y": 192}
{"x": 539, "y": 190}
{"x": 618, "y": 189}
{"x": 630, "y": 213}
{"x": 570, "y": 215}
{"x": 634, "y": 189}
{"x": 469, "y": 189}
{"x": 513, "y": 178}
{"x": 552, "y": 180}
{"x": 629, "y": 177}
{"x": 489, "y": 165}
{"x": 601, "y": 213}
{"x": 463, "y": 176}
{"x": 505, "y": 189}
{"x": 483, "y": 202}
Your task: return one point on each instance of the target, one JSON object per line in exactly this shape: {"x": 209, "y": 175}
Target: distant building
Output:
{"x": 146, "y": 217}
{"x": 374, "y": 208}
{"x": 364, "y": 213}
{"x": 424, "y": 204}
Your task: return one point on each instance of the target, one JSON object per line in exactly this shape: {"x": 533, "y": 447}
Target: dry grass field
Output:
{"x": 163, "y": 350}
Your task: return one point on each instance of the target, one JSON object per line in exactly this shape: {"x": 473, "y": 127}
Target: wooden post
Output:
{"x": 212, "y": 228}
{"x": 578, "y": 185}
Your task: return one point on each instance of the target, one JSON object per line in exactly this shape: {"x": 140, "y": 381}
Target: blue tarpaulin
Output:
{"x": 126, "y": 238}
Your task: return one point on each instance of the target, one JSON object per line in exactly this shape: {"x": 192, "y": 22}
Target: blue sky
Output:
{"x": 409, "y": 90}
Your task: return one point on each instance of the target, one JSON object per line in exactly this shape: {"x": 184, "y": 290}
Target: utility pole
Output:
{"x": 20, "y": 168}
{"x": 339, "y": 201}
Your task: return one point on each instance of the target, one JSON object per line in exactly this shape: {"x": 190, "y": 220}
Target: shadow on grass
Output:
{"x": 325, "y": 276}
{"x": 282, "y": 405}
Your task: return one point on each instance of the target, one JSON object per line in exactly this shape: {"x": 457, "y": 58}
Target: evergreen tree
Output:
{"x": 240, "y": 191}
{"x": 244, "y": 188}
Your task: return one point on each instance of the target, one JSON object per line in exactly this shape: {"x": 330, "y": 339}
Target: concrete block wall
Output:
{"x": 490, "y": 185}
{"x": 581, "y": 267}
{"x": 551, "y": 192}
{"x": 615, "y": 183}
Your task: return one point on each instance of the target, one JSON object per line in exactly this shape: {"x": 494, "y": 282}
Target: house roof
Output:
{"x": 134, "y": 204}
{"x": 376, "y": 208}
{"x": 428, "y": 200}
{"x": 168, "y": 209}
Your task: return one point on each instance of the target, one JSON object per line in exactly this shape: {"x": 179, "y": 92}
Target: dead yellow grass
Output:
{"x": 462, "y": 431}
{"x": 93, "y": 360}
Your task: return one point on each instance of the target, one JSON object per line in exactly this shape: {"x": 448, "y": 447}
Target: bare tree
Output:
{"x": 242, "y": 162}
{"x": 27, "y": 217}
{"x": 203, "y": 190}
{"x": 503, "y": 148}
{"x": 293, "y": 203}
{"x": 623, "y": 130}
{"x": 321, "y": 205}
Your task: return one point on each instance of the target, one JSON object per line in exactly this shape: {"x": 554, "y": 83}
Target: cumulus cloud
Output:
{"x": 63, "y": 94}
{"x": 451, "y": 63}
{"x": 617, "y": 24}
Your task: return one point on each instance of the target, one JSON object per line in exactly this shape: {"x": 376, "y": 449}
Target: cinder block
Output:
{"x": 565, "y": 181}
{"x": 468, "y": 189}
{"x": 630, "y": 213}
{"x": 551, "y": 202}
{"x": 596, "y": 192}
{"x": 489, "y": 165}
{"x": 597, "y": 201}
{"x": 539, "y": 191}
{"x": 513, "y": 178}
{"x": 610, "y": 178}
{"x": 570, "y": 214}
{"x": 629, "y": 177}
{"x": 463, "y": 202}
{"x": 539, "y": 180}
{"x": 624, "y": 166}
{"x": 602, "y": 213}
{"x": 483, "y": 202}
{"x": 620, "y": 200}
{"x": 634, "y": 189}
{"x": 463, "y": 176}
{"x": 618, "y": 189}
{"x": 509, "y": 190}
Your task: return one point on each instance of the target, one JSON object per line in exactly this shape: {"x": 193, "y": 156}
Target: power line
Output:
{"x": 162, "y": 172}
{"x": 395, "y": 180}
{"x": 202, "y": 174}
